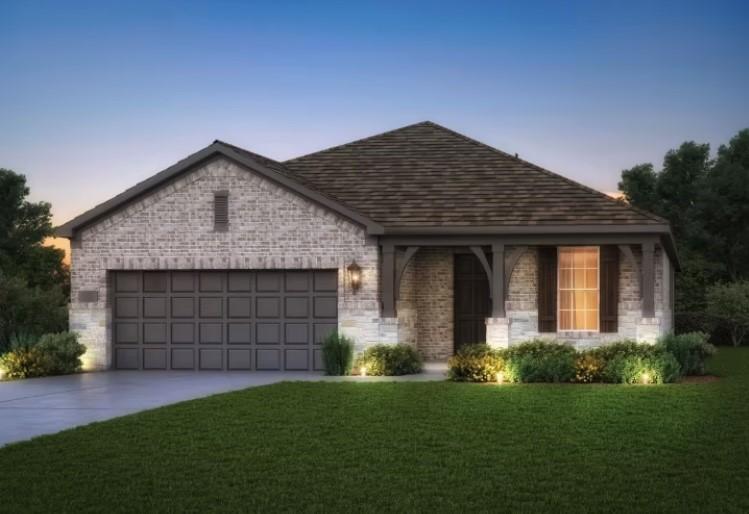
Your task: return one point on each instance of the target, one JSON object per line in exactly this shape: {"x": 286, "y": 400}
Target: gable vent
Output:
{"x": 221, "y": 210}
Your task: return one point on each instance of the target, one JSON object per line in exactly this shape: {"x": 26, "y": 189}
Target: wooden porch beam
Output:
{"x": 388, "y": 281}
{"x": 648, "y": 279}
{"x": 402, "y": 264}
{"x": 498, "y": 280}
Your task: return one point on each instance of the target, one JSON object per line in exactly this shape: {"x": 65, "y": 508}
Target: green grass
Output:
{"x": 405, "y": 447}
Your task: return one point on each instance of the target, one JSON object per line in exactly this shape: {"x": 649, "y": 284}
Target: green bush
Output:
{"x": 29, "y": 310}
{"x": 589, "y": 366}
{"x": 658, "y": 367}
{"x": 728, "y": 306}
{"x": 52, "y": 354}
{"x": 691, "y": 351}
{"x": 540, "y": 361}
{"x": 338, "y": 354}
{"x": 389, "y": 360}
{"x": 475, "y": 363}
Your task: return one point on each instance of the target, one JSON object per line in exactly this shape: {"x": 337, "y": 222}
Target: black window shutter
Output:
{"x": 547, "y": 289}
{"x": 609, "y": 288}
{"x": 221, "y": 210}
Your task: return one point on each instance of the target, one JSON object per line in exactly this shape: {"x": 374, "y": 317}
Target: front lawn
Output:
{"x": 406, "y": 447}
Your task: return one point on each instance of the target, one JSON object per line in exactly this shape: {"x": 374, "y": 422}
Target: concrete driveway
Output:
{"x": 37, "y": 406}
{"x": 29, "y": 408}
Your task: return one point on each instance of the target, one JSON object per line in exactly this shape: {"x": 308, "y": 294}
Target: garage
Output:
{"x": 222, "y": 320}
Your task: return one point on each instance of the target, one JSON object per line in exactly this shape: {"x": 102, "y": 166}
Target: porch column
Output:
{"x": 648, "y": 279}
{"x": 388, "y": 280}
{"x": 498, "y": 280}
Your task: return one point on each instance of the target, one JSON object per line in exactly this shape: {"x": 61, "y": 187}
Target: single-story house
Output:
{"x": 229, "y": 260}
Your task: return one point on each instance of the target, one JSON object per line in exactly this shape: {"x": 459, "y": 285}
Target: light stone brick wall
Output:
{"x": 522, "y": 310}
{"x": 270, "y": 228}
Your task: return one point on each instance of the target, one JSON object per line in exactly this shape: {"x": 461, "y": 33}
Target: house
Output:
{"x": 230, "y": 260}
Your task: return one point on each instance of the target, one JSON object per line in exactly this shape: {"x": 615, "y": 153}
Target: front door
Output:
{"x": 472, "y": 302}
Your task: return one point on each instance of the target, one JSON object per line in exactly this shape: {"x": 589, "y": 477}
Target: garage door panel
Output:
{"x": 183, "y": 333}
{"x": 154, "y": 333}
{"x": 211, "y": 307}
{"x": 268, "y": 307}
{"x": 126, "y": 358}
{"x": 183, "y": 358}
{"x": 318, "y": 364}
{"x": 239, "y": 358}
{"x": 125, "y": 307}
{"x": 240, "y": 307}
{"x": 240, "y": 333}
{"x": 296, "y": 333}
{"x": 154, "y": 307}
{"x": 222, "y": 320}
{"x": 268, "y": 282}
{"x": 155, "y": 281}
{"x": 154, "y": 358}
{"x": 297, "y": 360}
{"x": 211, "y": 282}
{"x": 268, "y": 360}
{"x": 211, "y": 333}
{"x": 183, "y": 281}
{"x": 326, "y": 307}
{"x": 297, "y": 281}
{"x": 326, "y": 281}
{"x": 127, "y": 282}
{"x": 211, "y": 359}
{"x": 268, "y": 333}
{"x": 240, "y": 281}
{"x": 126, "y": 333}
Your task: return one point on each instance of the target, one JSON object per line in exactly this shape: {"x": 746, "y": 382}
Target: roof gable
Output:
{"x": 264, "y": 166}
{"x": 429, "y": 176}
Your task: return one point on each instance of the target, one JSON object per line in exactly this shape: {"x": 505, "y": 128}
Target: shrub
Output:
{"x": 728, "y": 305}
{"x": 475, "y": 363}
{"x": 52, "y": 354}
{"x": 659, "y": 367}
{"x": 390, "y": 360}
{"x": 338, "y": 354}
{"x": 540, "y": 361}
{"x": 589, "y": 367}
{"x": 63, "y": 352}
{"x": 29, "y": 310}
{"x": 691, "y": 351}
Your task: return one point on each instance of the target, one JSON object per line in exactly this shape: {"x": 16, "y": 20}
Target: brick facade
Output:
{"x": 172, "y": 228}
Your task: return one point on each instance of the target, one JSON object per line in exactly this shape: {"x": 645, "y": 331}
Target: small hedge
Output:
{"x": 475, "y": 363}
{"x": 52, "y": 354}
{"x": 338, "y": 354}
{"x": 623, "y": 362}
{"x": 389, "y": 360}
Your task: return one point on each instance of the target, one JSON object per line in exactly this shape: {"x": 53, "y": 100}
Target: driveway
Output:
{"x": 37, "y": 406}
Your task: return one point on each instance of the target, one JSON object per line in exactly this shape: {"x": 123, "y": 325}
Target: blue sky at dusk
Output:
{"x": 97, "y": 96}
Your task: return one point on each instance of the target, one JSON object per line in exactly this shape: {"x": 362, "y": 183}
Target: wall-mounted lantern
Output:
{"x": 354, "y": 276}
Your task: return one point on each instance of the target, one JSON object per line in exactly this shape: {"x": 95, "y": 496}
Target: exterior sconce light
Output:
{"x": 354, "y": 276}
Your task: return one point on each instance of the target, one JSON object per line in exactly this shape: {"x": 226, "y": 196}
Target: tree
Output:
{"x": 728, "y": 305}
{"x": 724, "y": 209}
{"x": 23, "y": 228}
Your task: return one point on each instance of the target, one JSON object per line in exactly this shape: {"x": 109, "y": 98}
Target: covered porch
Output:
{"x": 441, "y": 291}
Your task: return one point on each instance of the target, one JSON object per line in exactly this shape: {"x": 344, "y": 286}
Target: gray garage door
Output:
{"x": 222, "y": 320}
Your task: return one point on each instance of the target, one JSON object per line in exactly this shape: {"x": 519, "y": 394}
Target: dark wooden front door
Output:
{"x": 472, "y": 303}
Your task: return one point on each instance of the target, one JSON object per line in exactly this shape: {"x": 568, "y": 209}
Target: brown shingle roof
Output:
{"x": 428, "y": 175}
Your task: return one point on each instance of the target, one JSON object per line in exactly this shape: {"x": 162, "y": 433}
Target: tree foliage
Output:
{"x": 728, "y": 304}
{"x": 33, "y": 277}
{"x": 707, "y": 204}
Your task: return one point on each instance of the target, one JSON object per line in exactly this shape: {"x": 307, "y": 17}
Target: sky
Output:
{"x": 97, "y": 96}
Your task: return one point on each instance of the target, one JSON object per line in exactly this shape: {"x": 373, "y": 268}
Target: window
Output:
{"x": 578, "y": 288}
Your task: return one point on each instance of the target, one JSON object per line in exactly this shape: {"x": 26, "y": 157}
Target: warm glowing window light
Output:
{"x": 578, "y": 288}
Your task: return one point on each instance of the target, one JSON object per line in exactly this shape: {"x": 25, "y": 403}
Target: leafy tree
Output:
{"x": 724, "y": 209}
{"x": 23, "y": 228}
{"x": 728, "y": 304}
